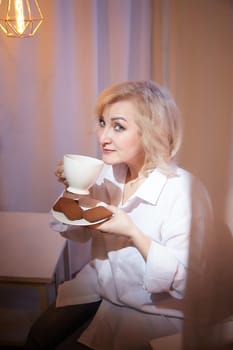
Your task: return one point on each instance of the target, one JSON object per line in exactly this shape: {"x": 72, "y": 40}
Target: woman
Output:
{"x": 131, "y": 291}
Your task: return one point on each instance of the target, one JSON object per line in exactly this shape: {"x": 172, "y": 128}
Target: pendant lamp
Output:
{"x": 20, "y": 18}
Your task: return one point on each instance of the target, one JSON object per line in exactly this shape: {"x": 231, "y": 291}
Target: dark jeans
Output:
{"x": 59, "y": 328}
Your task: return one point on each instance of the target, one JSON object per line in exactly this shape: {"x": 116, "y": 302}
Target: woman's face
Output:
{"x": 119, "y": 136}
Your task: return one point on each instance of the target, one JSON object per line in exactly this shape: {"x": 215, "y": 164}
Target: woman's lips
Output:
{"x": 107, "y": 151}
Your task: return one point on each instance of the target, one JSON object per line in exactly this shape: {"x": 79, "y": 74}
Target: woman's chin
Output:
{"x": 110, "y": 160}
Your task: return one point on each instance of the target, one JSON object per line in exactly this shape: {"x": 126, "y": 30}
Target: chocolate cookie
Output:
{"x": 69, "y": 207}
{"x": 96, "y": 214}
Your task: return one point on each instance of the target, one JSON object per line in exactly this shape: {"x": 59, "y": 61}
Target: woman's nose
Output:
{"x": 105, "y": 136}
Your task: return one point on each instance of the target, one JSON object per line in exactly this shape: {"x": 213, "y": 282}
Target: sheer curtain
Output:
{"x": 201, "y": 76}
{"x": 49, "y": 84}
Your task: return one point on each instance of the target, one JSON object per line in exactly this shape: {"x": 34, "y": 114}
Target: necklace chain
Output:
{"x": 132, "y": 182}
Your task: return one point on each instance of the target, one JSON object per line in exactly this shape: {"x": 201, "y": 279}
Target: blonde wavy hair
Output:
{"x": 158, "y": 119}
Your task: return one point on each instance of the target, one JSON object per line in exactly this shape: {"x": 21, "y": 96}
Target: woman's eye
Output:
{"x": 119, "y": 127}
{"x": 101, "y": 122}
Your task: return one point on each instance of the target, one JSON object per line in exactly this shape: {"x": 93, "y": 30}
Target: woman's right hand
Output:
{"x": 59, "y": 173}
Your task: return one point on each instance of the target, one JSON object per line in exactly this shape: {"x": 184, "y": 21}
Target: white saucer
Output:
{"x": 82, "y": 222}
{"x": 85, "y": 203}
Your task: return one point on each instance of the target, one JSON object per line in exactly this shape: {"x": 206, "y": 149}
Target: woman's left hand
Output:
{"x": 119, "y": 224}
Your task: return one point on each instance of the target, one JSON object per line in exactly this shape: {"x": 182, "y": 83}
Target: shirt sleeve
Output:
{"x": 75, "y": 233}
{"x": 164, "y": 273}
{"x": 167, "y": 261}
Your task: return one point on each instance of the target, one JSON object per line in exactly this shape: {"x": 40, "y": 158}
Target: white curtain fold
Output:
{"x": 49, "y": 85}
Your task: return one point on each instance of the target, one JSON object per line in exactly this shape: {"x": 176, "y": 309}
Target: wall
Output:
{"x": 196, "y": 62}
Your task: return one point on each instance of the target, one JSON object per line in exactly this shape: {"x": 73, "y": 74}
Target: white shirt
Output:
{"x": 117, "y": 272}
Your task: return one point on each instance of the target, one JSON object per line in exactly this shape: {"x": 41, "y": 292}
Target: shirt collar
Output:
{"x": 152, "y": 187}
{"x": 149, "y": 191}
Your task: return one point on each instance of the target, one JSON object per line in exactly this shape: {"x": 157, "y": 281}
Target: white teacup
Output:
{"x": 81, "y": 172}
